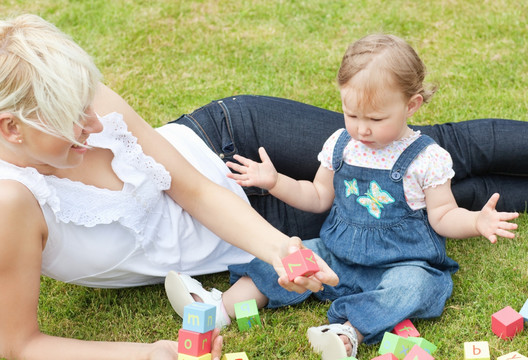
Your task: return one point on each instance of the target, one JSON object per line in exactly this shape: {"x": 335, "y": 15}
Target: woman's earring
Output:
{"x": 20, "y": 141}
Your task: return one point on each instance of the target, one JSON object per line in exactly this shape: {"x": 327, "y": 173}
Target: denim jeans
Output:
{"x": 375, "y": 299}
{"x": 489, "y": 155}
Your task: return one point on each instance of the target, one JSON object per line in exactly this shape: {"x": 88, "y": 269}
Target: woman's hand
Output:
{"x": 300, "y": 284}
{"x": 168, "y": 350}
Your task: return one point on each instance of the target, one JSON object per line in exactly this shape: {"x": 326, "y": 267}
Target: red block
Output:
{"x": 300, "y": 263}
{"x": 194, "y": 343}
{"x": 406, "y": 329}
{"x": 387, "y": 356}
{"x": 506, "y": 323}
{"x": 417, "y": 353}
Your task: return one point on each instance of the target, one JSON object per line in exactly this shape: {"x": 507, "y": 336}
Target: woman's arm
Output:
{"x": 23, "y": 233}
{"x": 219, "y": 209}
{"x": 449, "y": 220}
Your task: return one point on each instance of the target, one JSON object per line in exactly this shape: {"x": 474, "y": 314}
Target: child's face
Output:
{"x": 377, "y": 124}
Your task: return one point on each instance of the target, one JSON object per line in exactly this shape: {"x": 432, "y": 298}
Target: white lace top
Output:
{"x": 103, "y": 238}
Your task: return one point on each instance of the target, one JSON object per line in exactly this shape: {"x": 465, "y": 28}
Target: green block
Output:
{"x": 247, "y": 315}
{"x": 395, "y": 344}
{"x": 428, "y": 346}
{"x": 349, "y": 358}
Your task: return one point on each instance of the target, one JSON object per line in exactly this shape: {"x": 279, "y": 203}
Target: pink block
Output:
{"x": 194, "y": 343}
{"x": 300, "y": 263}
{"x": 417, "y": 353}
{"x": 506, "y": 323}
{"x": 406, "y": 329}
{"x": 387, "y": 356}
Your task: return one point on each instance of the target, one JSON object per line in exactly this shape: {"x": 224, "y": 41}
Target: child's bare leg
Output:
{"x": 244, "y": 289}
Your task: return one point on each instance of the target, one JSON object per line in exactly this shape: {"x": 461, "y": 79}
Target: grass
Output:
{"x": 167, "y": 57}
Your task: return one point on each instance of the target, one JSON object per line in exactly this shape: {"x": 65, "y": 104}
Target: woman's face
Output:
{"x": 48, "y": 153}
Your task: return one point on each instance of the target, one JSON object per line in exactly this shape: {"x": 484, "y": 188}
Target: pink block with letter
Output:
{"x": 300, "y": 263}
{"x": 406, "y": 329}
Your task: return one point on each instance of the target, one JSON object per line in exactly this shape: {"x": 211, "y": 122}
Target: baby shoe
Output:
{"x": 325, "y": 340}
{"x": 179, "y": 288}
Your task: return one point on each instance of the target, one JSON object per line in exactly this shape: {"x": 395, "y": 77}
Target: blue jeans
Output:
{"x": 410, "y": 289}
{"x": 489, "y": 155}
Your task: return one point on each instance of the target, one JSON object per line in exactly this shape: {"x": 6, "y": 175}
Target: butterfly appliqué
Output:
{"x": 351, "y": 188}
{"x": 374, "y": 199}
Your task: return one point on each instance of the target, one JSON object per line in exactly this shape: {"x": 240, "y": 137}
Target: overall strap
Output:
{"x": 407, "y": 157}
{"x": 337, "y": 156}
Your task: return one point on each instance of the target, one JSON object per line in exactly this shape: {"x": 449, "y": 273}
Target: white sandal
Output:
{"x": 179, "y": 288}
{"x": 325, "y": 340}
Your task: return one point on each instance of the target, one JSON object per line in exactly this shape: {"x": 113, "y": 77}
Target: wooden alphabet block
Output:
{"x": 247, "y": 314}
{"x": 349, "y": 358}
{"x": 417, "y": 353}
{"x": 387, "y": 356}
{"x": 199, "y": 317}
{"x": 524, "y": 311}
{"x": 476, "y": 350}
{"x": 506, "y": 323}
{"x": 300, "y": 263}
{"x": 190, "y": 357}
{"x": 194, "y": 343}
{"x": 424, "y": 344}
{"x": 406, "y": 329}
{"x": 395, "y": 344}
{"x": 512, "y": 356}
{"x": 235, "y": 356}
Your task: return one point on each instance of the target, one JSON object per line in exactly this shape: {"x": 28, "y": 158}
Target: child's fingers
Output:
{"x": 263, "y": 155}
{"x": 492, "y": 202}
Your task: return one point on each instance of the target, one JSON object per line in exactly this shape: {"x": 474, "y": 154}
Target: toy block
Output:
{"x": 199, "y": 317}
{"x": 476, "y": 350}
{"x": 406, "y": 329}
{"x": 190, "y": 357}
{"x": 300, "y": 263}
{"x": 235, "y": 356}
{"x": 395, "y": 344}
{"x": 511, "y": 356}
{"x": 349, "y": 358}
{"x": 247, "y": 314}
{"x": 506, "y": 323}
{"x": 387, "y": 356}
{"x": 424, "y": 344}
{"x": 417, "y": 353}
{"x": 194, "y": 343}
{"x": 524, "y": 311}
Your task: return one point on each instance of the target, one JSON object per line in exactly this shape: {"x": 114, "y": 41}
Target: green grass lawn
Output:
{"x": 167, "y": 57}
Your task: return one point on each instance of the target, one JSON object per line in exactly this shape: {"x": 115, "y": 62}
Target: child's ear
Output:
{"x": 414, "y": 103}
{"x": 10, "y": 127}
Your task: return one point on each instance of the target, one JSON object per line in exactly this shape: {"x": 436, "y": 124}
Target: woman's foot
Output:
{"x": 334, "y": 341}
{"x": 183, "y": 290}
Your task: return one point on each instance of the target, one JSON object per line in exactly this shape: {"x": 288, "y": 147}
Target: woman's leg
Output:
{"x": 293, "y": 133}
{"x": 489, "y": 155}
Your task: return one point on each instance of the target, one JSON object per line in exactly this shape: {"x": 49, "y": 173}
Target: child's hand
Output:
{"x": 315, "y": 282}
{"x": 252, "y": 173}
{"x": 491, "y": 223}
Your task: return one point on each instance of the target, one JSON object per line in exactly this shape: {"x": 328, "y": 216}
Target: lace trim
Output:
{"x": 126, "y": 148}
{"x": 34, "y": 181}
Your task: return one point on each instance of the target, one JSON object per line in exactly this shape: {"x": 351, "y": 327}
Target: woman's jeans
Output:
{"x": 489, "y": 155}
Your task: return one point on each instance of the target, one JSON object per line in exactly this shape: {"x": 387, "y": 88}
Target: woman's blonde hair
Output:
{"x": 389, "y": 60}
{"x": 46, "y": 80}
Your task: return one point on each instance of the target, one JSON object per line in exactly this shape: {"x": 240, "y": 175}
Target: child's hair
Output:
{"x": 46, "y": 80}
{"x": 388, "y": 60}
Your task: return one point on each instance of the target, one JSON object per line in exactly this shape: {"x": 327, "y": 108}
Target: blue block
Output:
{"x": 524, "y": 311}
{"x": 199, "y": 317}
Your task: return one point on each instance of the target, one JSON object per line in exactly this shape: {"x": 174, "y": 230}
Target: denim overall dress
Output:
{"x": 391, "y": 264}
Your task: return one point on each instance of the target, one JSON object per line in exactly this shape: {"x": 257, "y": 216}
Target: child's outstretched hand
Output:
{"x": 252, "y": 173}
{"x": 300, "y": 284}
{"x": 491, "y": 223}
